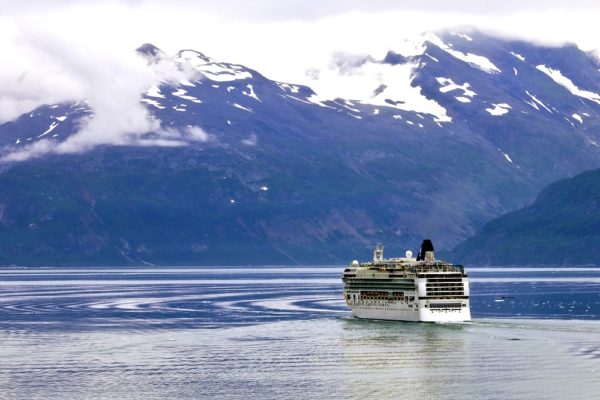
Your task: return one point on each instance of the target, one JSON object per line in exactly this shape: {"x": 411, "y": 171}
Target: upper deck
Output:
{"x": 417, "y": 267}
{"x": 423, "y": 265}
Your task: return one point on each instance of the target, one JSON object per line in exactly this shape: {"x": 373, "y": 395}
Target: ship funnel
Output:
{"x": 426, "y": 252}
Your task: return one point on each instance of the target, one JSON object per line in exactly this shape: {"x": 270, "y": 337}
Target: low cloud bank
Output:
{"x": 48, "y": 69}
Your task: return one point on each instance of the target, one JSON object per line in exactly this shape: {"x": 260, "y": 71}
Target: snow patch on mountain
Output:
{"x": 569, "y": 121}
{"x": 215, "y": 71}
{"x": 154, "y": 103}
{"x": 181, "y": 93}
{"x": 410, "y": 47}
{"x": 506, "y": 156}
{"x": 462, "y": 36}
{"x": 288, "y": 87}
{"x": 186, "y": 82}
{"x": 376, "y": 84}
{"x": 535, "y": 102}
{"x": 532, "y": 104}
{"x": 449, "y": 85}
{"x": 192, "y": 57}
{"x": 250, "y": 93}
{"x": 498, "y": 109}
{"x": 432, "y": 57}
{"x": 480, "y": 62}
{"x": 302, "y": 100}
{"x": 577, "y": 117}
{"x": 154, "y": 91}
{"x": 221, "y": 72}
{"x": 236, "y": 105}
{"x": 314, "y": 99}
{"x": 520, "y": 57}
{"x": 53, "y": 125}
{"x": 568, "y": 84}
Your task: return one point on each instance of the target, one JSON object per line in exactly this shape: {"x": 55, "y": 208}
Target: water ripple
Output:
{"x": 191, "y": 333}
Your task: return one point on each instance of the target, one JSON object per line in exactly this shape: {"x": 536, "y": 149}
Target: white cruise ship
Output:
{"x": 407, "y": 288}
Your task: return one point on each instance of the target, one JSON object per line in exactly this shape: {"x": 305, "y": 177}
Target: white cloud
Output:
{"x": 198, "y": 134}
{"x": 30, "y": 76}
{"x": 250, "y": 140}
{"x": 49, "y": 67}
{"x": 283, "y": 38}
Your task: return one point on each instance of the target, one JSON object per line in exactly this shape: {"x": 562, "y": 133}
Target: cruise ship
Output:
{"x": 407, "y": 288}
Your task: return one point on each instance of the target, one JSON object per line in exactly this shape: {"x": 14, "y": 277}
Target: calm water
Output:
{"x": 241, "y": 333}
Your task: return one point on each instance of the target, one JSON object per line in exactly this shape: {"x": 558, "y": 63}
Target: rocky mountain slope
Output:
{"x": 562, "y": 227}
{"x": 442, "y": 135}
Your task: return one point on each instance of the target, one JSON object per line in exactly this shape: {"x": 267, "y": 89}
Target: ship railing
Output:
{"x": 417, "y": 267}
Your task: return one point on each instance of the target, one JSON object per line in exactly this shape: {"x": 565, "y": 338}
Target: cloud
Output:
{"x": 250, "y": 140}
{"x": 283, "y": 38}
{"x": 301, "y": 10}
{"x": 197, "y": 134}
{"x": 48, "y": 68}
{"x": 29, "y": 76}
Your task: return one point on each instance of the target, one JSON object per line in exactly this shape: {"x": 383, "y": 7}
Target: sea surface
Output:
{"x": 286, "y": 333}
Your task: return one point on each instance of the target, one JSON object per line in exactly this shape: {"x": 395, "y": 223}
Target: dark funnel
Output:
{"x": 425, "y": 247}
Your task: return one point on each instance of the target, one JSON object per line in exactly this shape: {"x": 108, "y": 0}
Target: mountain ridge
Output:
{"x": 274, "y": 172}
{"x": 562, "y": 227}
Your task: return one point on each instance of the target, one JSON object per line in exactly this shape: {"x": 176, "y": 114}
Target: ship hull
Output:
{"x": 391, "y": 313}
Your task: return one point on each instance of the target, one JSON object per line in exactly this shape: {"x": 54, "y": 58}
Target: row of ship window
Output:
{"x": 380, "y": 296}
{"x": 444, "y": 292}
{"x": 443, "y": 284}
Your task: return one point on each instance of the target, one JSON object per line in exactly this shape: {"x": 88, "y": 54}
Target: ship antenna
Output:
{"x": 378, "y": 253}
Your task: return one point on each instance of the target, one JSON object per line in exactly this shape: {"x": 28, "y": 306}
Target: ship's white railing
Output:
{"x": 412, "y": 266}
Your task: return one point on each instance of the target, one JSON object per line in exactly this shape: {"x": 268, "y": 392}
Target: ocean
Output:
{"x": 285, "y": 332}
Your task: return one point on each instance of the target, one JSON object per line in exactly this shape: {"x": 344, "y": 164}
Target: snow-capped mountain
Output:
{"x": 434, "y": 139}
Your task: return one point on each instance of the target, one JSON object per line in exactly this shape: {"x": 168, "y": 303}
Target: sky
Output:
{"x": 67, "y": 50}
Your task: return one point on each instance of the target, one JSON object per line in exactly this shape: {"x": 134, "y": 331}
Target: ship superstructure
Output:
{"x": 407, "y": 288}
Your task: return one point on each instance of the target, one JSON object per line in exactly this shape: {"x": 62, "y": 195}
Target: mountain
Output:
{"x": 562, "y": 227}
{"x": 434, "y": 139}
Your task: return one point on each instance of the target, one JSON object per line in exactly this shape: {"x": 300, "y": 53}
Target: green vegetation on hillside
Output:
{"x": 562, "y": 227}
